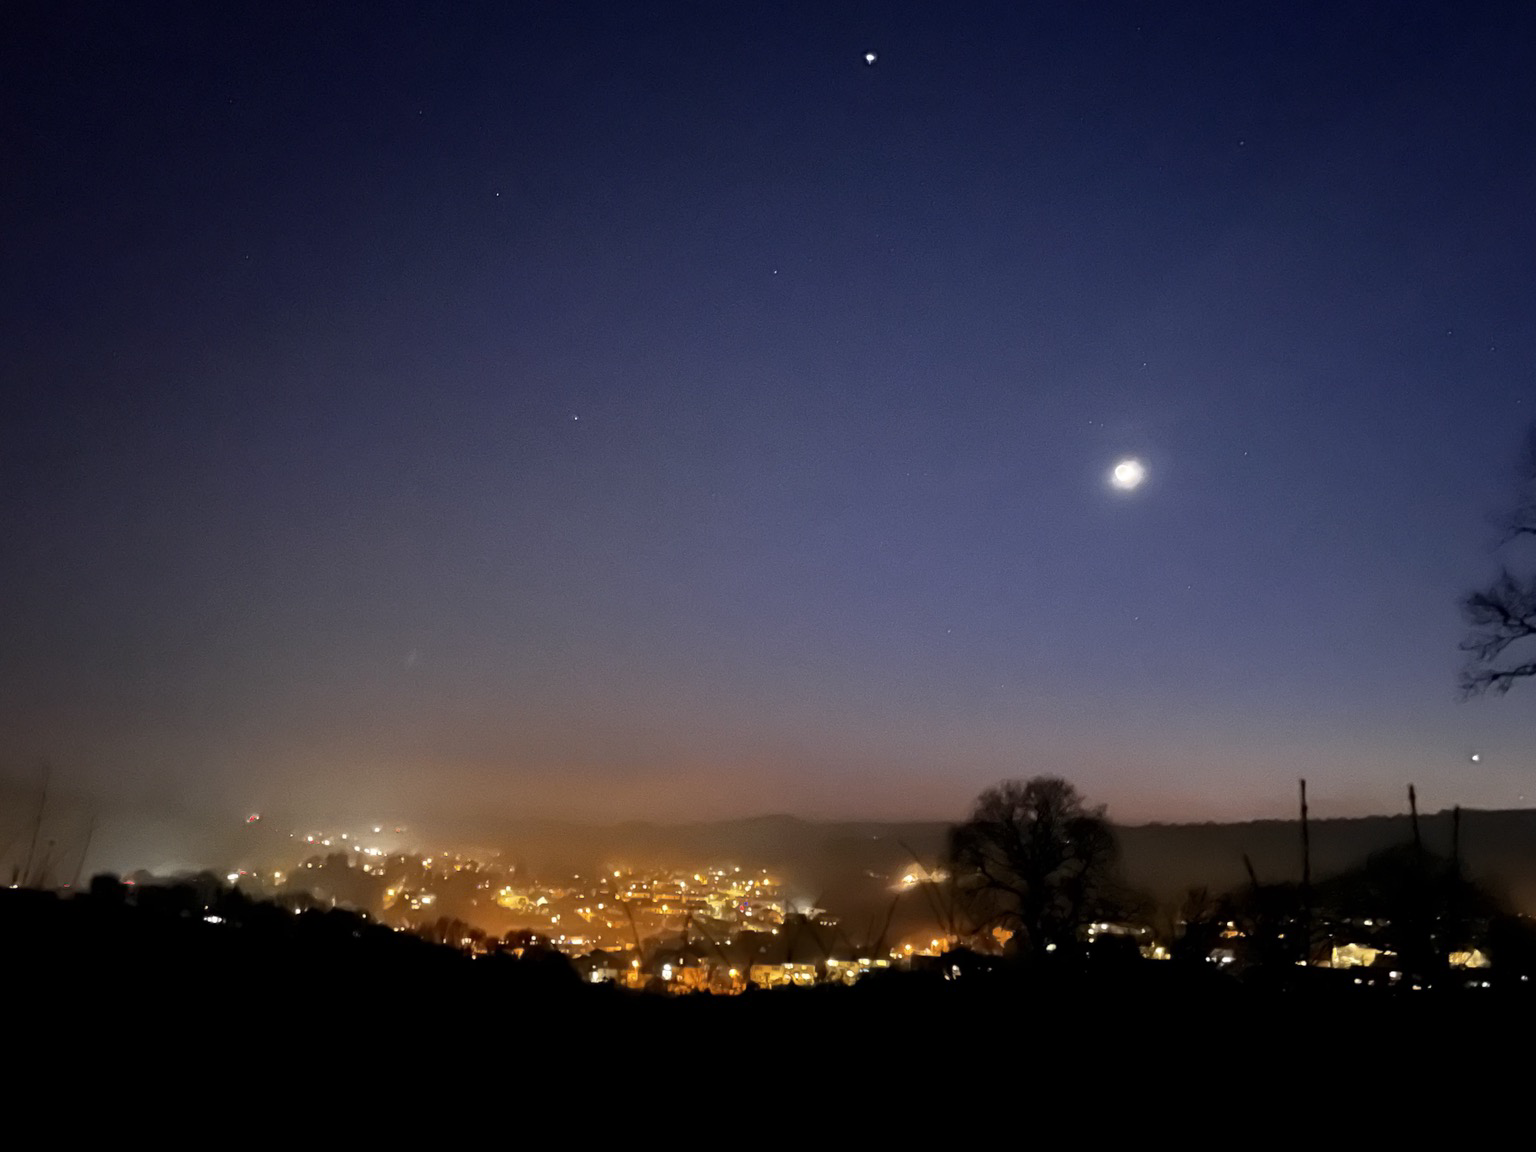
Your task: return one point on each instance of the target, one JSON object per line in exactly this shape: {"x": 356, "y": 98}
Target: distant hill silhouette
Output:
{"x": 1498, "y": 847}
{"x": 823, "y": 859}
{"x": 826, "y": 862}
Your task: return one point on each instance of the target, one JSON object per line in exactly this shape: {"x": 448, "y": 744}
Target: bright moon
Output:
{"x": 1128, "y": 475}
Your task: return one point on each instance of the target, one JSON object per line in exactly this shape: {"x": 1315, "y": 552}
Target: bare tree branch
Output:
{"x": 1501, "y": 615}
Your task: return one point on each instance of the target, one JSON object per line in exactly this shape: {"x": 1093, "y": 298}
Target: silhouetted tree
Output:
{"x": 1502, "y": 615}
{"x": 1512, "y": 945}
{"x": 1423, "y": 906}
{"x": 1197, "y": 924}
{"x": 1269, "y": 918}
{"x": 107, "y": 889}
{"x": 1040, "y": 857}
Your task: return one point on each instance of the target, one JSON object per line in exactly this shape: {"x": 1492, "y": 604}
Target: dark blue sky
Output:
{"x": 621, "y": 409}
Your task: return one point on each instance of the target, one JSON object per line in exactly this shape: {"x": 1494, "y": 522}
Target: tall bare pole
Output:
{"x": 1253, "y": 877}
{"x": 1306, "y": 843}
{"x": 1306, "y": 880}
{"x": 45, "y": 866}
{"x": 1454, "y": 937}
{"x": 1422, "y": 933}
{"x": 37, "y": 828}
{"x": 90, "y": 833}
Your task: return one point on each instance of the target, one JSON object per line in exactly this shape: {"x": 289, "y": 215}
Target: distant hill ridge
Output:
{"x": 1165, "y": 858}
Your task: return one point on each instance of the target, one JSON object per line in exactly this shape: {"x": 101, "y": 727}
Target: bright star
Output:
{"x": 1128, "y": 475}
{"x": 870, "y": 57}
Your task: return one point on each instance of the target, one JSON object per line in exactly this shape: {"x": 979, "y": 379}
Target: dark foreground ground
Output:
{"x": 328, "y": 1008}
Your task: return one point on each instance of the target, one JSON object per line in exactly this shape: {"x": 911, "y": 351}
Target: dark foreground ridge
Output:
{"x": 163, "y": 978}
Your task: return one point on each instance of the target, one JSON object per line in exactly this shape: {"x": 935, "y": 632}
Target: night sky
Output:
{"x": 655, "y": 410}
